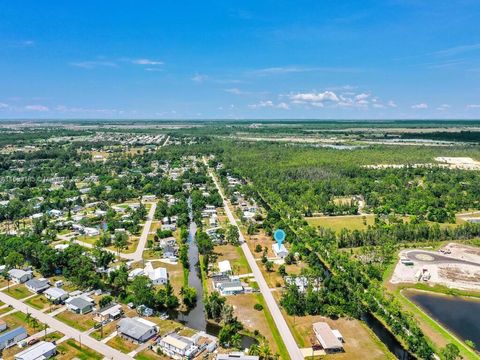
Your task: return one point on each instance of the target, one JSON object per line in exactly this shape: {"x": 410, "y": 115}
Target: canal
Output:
{"x": 458, "y": 314}
{"x": 195, "y": 318}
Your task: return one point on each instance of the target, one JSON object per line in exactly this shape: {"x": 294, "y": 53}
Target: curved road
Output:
{"x": 432, "y": 257}
{"x": 283, "y": 329}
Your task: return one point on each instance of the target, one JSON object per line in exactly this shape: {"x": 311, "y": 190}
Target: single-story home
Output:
{"x": 228, "y": 285}
{"x": 80, "y": 304}
{"x": 327, "y": 338}
{"x": 136, "y": 329}
{"x": 159, "y": 276}
{"x": 55, "y": 212}
{"x": 12, "y": 337}
{"x": 56, "y": 295}
{"x": 224, "y": 267}
{"x": 280, "y": 251}
{"x": 111, "y": 312}
{"x": 135, "y": 272}
{"x": 177, "y": 346}
{"x": 37, "y": 285}
{"x": 39, "y": 351}
{"x": 148, "y": 198}
{"x": 20, "y": 276}
{"x": 89, "y": 231}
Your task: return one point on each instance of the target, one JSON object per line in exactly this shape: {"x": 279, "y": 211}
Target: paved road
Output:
{"x": 283, "y": 329}
{"x": 142, "y": 242}
{"x": 433, "y": 257}
{"x": 57, "y": 325}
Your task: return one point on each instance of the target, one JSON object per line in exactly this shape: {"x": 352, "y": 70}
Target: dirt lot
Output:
{"x": 452, "y": 275}
{"x": 252, "y": 319}
{"x": 235, "y": 255}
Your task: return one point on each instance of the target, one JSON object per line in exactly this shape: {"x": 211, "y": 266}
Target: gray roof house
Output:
{"x": 136, "y": 329}
{"x": 79, "y": 305}
{"x": 40, "y": 351}
{"x": 19, "y": 276}
{"x": 12, "y": 337}
{"x": 37, "y": 285}
{"x": 56, "y": 295}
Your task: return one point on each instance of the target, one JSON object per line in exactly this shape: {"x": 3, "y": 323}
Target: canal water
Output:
{"x": 195, "y": 318}
{"x": 386, "y": 337}
{"x": 460, "y": 315}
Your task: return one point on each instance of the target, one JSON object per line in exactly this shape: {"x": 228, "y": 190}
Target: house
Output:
{"x": 12, "y": 337}
{"x": 148, "y": 198}
{"x": 89, "y": 231}
{"x": 37, "y": 286}
{"x": 302, "y": 282}
{"x": 279, "y": 250}
{"x": 236, "y": 356}
{"x": 19, "y": 276}
{"x": 224, "y": 267}
{"x": 169, "y": 241}
{"x": 55, "y": 213}
{"x": 136, "y": 329}
{"x": 170, "y": 252}
{"x": 81, "y": 304}
{"x": 213, "y": 221}
{"x": 171, "y": 227}
{"x": 227, "y": 285}
{"x": 56, "y": 295}
{"x": 111, "y": 312}
{"x": 145, "y": 311}
{"x": 100, "y": 212}
{"x": 177, "y": 346}
{"x": 39, "y": 351}
{"x": 135, "y": 272}
{"x": 159, "y": 276}
{"x": 327, "y": 337}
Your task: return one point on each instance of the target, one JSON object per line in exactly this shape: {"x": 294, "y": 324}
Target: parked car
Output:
{"x": 33, "y": 341}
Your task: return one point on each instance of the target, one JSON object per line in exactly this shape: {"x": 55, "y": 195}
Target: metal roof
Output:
{"x": 36, "y": 351}
{"x": 133, "y": 328}
{"x": 12, "y": 334}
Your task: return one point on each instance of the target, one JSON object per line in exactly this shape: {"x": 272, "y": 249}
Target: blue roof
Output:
{"x": 12, "y": 334}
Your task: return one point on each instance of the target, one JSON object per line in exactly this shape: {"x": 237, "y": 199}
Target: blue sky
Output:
{"x": 240, "y": 59}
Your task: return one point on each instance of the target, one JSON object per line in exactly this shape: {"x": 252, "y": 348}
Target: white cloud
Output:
{"x": 3, "y": 106}
{"x": 312, "y": 98}
{"x": 147, "y": 62}
{"x": 473, "y": 106}
{"x": 362, "y": 97}
{"x": 420, "y": 106}
{"x": 37, "y": 108}
{"x": 93, "y": 64}
{"x": 458, "y": 50}
{"x": 237, "y": 91}
{"x": 153, "y": 69}
{"x": 443, "y": 107}
{"x": 269, "y": 104}
{"x": 378, "y": 106}
{"x": 199, "y": 78}
{"x": 392, "y": 104}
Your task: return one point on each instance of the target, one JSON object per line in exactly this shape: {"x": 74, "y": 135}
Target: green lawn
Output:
{"x": 273, "y": 328}
{"x": 336, "y": 223}
{"x": 77, "y": 321}
{"x": 122, "y": 344}
{"x": 18, "y": 292}
{"x": 38, "y": 302}
{"x": 71, "y": 349}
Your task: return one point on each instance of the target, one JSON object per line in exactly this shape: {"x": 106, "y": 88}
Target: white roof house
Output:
{"x": 236, "y": 356}
{"x": 159, "y": 276}
{"x": 279, "y": 250}
{"x": 56, "y": 294}
{"x": 177, "y": 346}
{"x": 89, "y": 231}
{"x": 135, "y": 272}
{"x": 39, "y": 351}
{"x": 327, "y": 337}
{"x": 224, "y": 267}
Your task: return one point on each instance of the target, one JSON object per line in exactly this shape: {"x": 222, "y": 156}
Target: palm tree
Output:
{"x": 264, "y": 351}
{"x": 254, "y": 350}
{"x": 236, "y": 340}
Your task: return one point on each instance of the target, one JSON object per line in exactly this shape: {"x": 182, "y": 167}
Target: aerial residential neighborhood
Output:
{"x": 240, "y": 180}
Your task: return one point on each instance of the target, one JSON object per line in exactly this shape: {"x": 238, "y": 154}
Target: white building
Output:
{"x": 40, "y": 351}
{"x": 280, "y": 251}
{"x": 177, "y": 346}
{"x": 19, "y": 276}
{"x": 327, "y": 338}
{"x": 136, "y": 329}
{"x": 224, "y": 267}
{"x": 158, "y": 276}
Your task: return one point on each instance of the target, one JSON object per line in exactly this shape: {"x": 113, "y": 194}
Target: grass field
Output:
{"x": 71, "y": 349}
{"x": 77, "y": 321}
{"x": 336, "y": 223}
{"x": 38, "y": 302}
{"x": 122, "y": 344}
{"x": 18, "y": 318}
{"x": 150, "y": 355}
{"x": 18, "y": 292}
